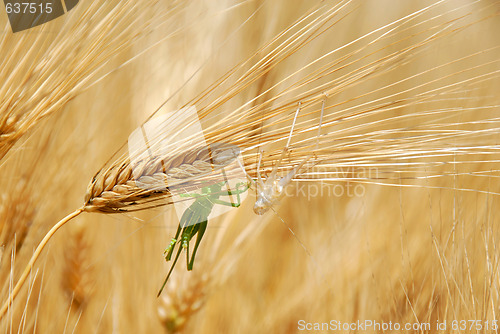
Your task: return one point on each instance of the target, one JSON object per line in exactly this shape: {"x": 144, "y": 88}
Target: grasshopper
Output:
{"x": 195, "y": 218}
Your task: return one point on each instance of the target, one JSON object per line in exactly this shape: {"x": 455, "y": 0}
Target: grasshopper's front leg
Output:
{"x": 170, "y": 249}
{"x": 236, "y": 192}
{"x": 170, "y": 271}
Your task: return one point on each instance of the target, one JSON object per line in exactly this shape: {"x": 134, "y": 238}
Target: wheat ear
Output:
{"x": 115, "y": 190}
{"x": 186, "y": 297}
{"x": 33, "y": 259}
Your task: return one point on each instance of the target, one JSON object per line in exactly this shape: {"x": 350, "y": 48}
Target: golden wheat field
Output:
{"x": 380, "y": 118}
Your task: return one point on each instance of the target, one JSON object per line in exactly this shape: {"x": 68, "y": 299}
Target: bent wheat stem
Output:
{"x": 33, "y": 259}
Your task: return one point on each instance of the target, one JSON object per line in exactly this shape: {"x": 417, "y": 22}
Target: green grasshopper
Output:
{"x": 194, "y": 221}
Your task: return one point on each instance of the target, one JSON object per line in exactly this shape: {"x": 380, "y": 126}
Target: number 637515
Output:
{"x": 28, "y": 7}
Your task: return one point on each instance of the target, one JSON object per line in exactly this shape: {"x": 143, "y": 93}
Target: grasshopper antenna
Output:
{"x": 301, "y": 243}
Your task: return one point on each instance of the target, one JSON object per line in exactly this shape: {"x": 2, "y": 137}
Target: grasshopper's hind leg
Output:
{"x": 201, "y": 231}
{"x": 188, "y": 234}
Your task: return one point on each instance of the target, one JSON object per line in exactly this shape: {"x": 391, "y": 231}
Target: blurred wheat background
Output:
{"x": 415, "y": 104}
